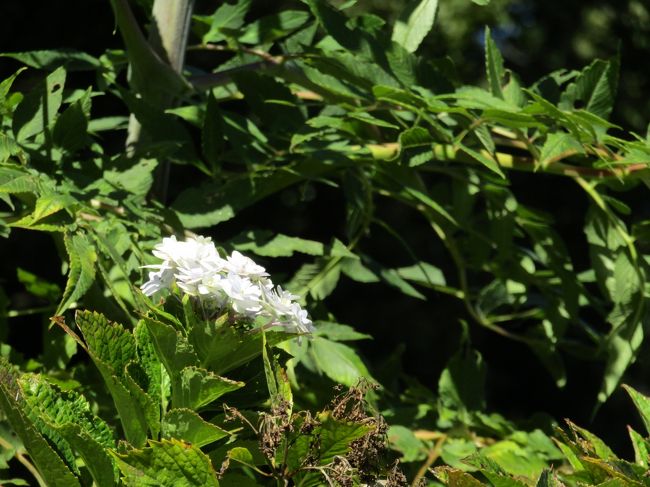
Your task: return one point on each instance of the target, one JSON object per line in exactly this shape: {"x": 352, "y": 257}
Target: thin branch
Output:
{"x": 434, "y": 454}
{"x": 25, "y": 461}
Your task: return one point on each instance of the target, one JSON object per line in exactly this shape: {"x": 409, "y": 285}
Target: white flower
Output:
{"x": 279, "y": 301}
{"x": 244, "y": 266}
{"x": 245, "y": 296}
{"x": 300, "y": 320}
{"x": 237, "y": 282}
{"x": 162, "y": 279}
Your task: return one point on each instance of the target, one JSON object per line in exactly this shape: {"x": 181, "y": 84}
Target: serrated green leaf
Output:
{"x": 112, "y": 348}
{"x": 199, "y": 387}
{"x": 223, "y": 347}
{"x": 594, "y": 89}
{"x": 39, "y": 107}
{"x": 557, "y": 146}
{"x": 493, "y": 65}
{"x": 642, "y": 404}
{"x": 82, "y": 257}
{"x": 185, "y": 424}
{"x": 484, "y": 159}
{"x": 48, "y": 463}
{"x": 167, "y": 462}
{"x": 414, "y": 23}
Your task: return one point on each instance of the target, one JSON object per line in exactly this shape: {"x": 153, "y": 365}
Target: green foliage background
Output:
{"x": 455, "y": 219}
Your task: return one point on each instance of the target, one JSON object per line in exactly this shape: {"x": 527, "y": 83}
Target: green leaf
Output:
{"x": 337, "y": 361}
{"x": 136, "y": 179}
{"x": 200, "y": 387}
{"x": 212, "y": 132}
{"x": 49, "y": 60}
{"x": 642, "y": 404}
{"x": 274, "y": 26}
{"x": 557, "y": 146}
{"x": 641, "y": 448}
{"x": 39, "y": 108}
{"x": 338, "y": 332}
{"x": 186, "y": 425}
{"x": 485, "y": 159}
{"x": 49, "y": 464}
{"x": 462, "y": 383}
{"x": 112, "y": 348}
{"x": 70, "y": 129}
{"x": 223, "y": 347}
{"x": 404, "y": 441}
{"x": 336, "y": 436}
{"x": 38, "y": 286}
{"x": 594, "y": 89}
{"x": 167, "y": 462}
{"x": 493, "y": 65}
{"x": 423, "y": 274}
{"x": 269, "y": 244}
{"x": 82, "y": 257}
{"x": 414, "y": 23}
{"x": 229, "y": 16}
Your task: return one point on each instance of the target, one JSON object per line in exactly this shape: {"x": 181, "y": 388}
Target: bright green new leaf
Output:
{"x": 414, "y": 23}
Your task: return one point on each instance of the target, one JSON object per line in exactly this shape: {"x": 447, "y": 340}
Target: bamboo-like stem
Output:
{"x": 170, "y": 29}
{"x": 448, "y": 152}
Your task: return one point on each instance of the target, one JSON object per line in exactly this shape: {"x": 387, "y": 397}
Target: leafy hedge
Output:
{"x": 310, "y": 98}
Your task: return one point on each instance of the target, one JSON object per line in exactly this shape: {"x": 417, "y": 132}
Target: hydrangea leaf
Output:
{"x": 232, "y": 347}
{"x": 66, "y": 420}
{"x": 199, "y": 387}
{"x": 111, "y": 348}
{"x": 167, "y": 462}
{"x": 185, "y": 424}
{"x": 12, "y": 402}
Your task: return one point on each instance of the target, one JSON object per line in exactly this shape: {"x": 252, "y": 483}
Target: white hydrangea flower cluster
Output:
{"x": 235, "y": 283}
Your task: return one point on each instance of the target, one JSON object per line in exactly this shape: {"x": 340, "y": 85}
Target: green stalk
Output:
{"x": 155, "y": 65}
